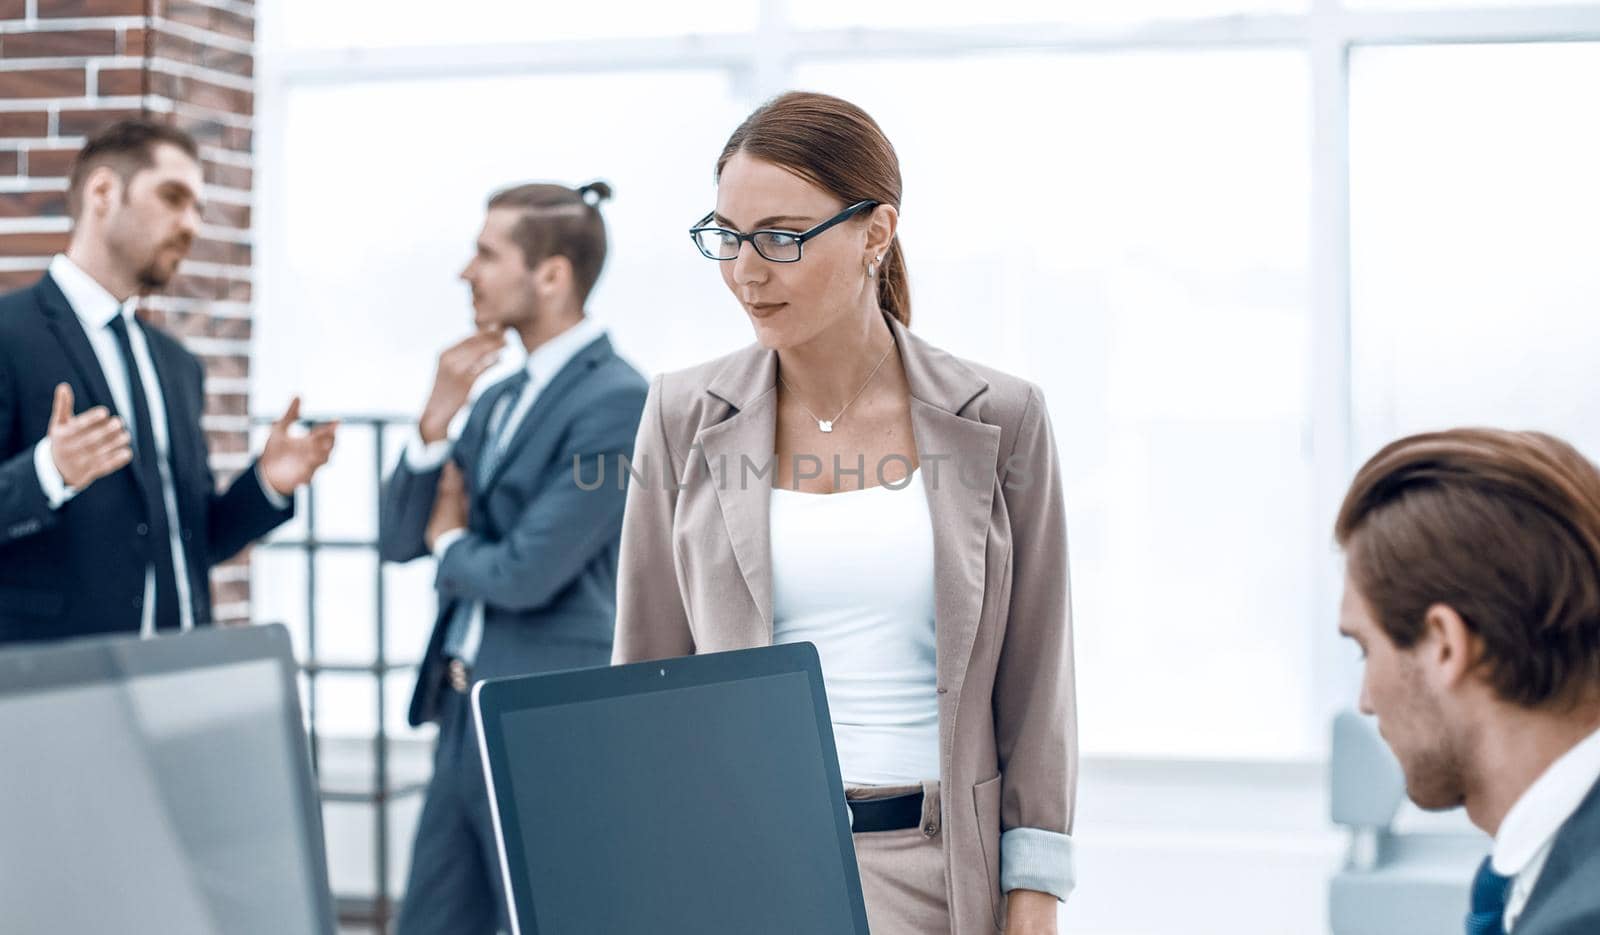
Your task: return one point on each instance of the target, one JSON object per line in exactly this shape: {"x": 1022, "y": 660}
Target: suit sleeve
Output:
{"x": 241, "y": 514}
{"x": 24, "y": 507}
{"x": 1034, "y": 696}
{"x": 563, "y": 527}
{"x": 404, "y": 509}
{"x": 652, "y": 622}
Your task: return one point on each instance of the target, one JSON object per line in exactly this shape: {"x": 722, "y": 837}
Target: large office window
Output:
{"x": 369, "y": 24}
{"x": 922, "y": 14}
{"x": 1153, "y": 210}
{"x": 1476, "y": 254}
{"x": 380, "y": 198}
{"x": 1142, "y": 257}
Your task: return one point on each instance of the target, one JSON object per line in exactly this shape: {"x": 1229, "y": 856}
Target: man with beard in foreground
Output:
{"x": 1473, "y": 589}
{"x": 110, "y": 519}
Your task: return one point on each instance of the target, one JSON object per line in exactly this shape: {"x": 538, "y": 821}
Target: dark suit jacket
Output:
{"x": 541, "y": 551}
{"x": 1566, "y": 898}
{"x": 81, "y": 569}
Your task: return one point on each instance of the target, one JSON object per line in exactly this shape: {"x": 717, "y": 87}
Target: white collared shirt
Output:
{"x": 1529, "y": 830}
{"x": 543, "y": 363}
{"x": 96, "y": 308}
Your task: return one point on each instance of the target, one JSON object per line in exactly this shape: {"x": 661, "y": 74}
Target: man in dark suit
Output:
{"x": 527, "y": 554}
{"x": 1473, "y": 589}
{"x": 110, "y": 520}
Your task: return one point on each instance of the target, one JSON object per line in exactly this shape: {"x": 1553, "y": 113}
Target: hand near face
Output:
{"x": 289, "y": 461}
{"x": 459, "y": 367}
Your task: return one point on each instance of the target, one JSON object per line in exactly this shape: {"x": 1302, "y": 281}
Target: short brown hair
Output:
{"x": 1502, "y": 527}
{"x": 127, "y": 146}
{"x": 836, "y": 146}
{"x": 560, "y": 221}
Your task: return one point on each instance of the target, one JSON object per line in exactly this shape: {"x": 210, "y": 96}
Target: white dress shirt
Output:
{"x": 852, "y": 573}
{"x": 96, "y": 308}
{"x": 543, "y": 363}
{"x": 1529, "y": 830}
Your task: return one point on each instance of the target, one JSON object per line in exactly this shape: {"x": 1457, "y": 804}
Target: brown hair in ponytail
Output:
{"x": 833, "y": 144}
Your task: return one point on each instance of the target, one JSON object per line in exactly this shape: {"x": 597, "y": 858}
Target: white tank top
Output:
{"x": 852, "y": 572}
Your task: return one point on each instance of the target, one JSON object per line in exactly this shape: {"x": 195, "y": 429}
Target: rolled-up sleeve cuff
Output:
{"x": 56, "y": 491}
{"x": 422, "y": 456}
{"x": 1035, "y": 859}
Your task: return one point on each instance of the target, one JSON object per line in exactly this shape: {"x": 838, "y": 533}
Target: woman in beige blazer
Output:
{"x": 942, "y": 619}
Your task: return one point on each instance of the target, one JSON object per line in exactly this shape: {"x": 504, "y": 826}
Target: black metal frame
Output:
{"x": 378, "y": 909}
{"x": 704, "y": 224}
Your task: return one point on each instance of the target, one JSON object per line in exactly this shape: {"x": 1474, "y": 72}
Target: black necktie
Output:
{"x": 156, "y": 534}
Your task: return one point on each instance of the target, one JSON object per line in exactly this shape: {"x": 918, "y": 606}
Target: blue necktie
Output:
{"x": 1489, "y": 891}
{"x": 455, "y": 635}
{"x": 493, "y": 439}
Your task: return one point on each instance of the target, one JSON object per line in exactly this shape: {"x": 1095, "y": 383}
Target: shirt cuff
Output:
{"x": 1035, "y": 859}
{"x": 446, "y": 539}
{"x": 56, "y": 491}
{"x": 279, "y": 501}
{"x": 424, "y": 456}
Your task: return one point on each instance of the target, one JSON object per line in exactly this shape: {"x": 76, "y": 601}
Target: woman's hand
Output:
{"x": 1030, "y": 912}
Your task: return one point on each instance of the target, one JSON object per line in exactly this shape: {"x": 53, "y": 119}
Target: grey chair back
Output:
{"x": 1367, "y": 784}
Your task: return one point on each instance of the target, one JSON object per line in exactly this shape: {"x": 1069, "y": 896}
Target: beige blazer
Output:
{"x": 696, "y": 576}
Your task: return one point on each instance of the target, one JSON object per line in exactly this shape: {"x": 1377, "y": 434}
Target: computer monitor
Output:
{"x": 678, "y": 797}
{"x": 159, "y": 786}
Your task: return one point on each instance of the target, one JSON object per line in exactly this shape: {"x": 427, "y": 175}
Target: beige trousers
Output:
{"x": 902, "y": 872}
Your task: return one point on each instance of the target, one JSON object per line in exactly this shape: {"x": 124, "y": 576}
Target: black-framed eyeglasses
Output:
{"x": 719, "y": 243}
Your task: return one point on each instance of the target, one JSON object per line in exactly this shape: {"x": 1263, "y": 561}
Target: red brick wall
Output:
{"x": 68, "y": 66}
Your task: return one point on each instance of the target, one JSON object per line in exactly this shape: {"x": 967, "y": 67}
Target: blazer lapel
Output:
{"x": 552, "y": 394}
{"x": 182, "y": 420}
{"x": 941, "y": 386}
{"x": 960, "y": 511}
{"x": 747, "y": 383}
{"x": 63, "y": 322}
{"x": 958, "y": 456}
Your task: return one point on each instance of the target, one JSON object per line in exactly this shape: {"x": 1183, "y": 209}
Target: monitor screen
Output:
{"x": 639, "y": 805}
{"x": 173, "y": 797}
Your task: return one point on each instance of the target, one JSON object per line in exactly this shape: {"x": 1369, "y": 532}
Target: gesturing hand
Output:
{"x": 87, "y": 446}
{"x": 459, "y": 367}
{"x": 288, "y": 461}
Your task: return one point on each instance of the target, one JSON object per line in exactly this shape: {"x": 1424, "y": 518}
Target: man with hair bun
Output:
{"x": 527, "y": 557}
{"x": 1473, "y": 589}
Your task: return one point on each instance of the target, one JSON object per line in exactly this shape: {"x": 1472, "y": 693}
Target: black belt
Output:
{"x": 888, "y": 814}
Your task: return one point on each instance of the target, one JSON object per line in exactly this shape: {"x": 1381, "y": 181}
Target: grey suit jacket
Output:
{"x": 697, "y": 577}
{"x": 1566, "y": 899}
{"x": 541, "y": 548}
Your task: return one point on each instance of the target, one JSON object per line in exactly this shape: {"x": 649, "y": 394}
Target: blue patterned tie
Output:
{"x": 494, "y": 437}
{"x": 455, "y": 635}
{"x": 1489, "y": 891}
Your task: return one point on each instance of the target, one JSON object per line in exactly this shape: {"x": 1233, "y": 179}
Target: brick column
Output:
{"x": 69, "y": 66}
